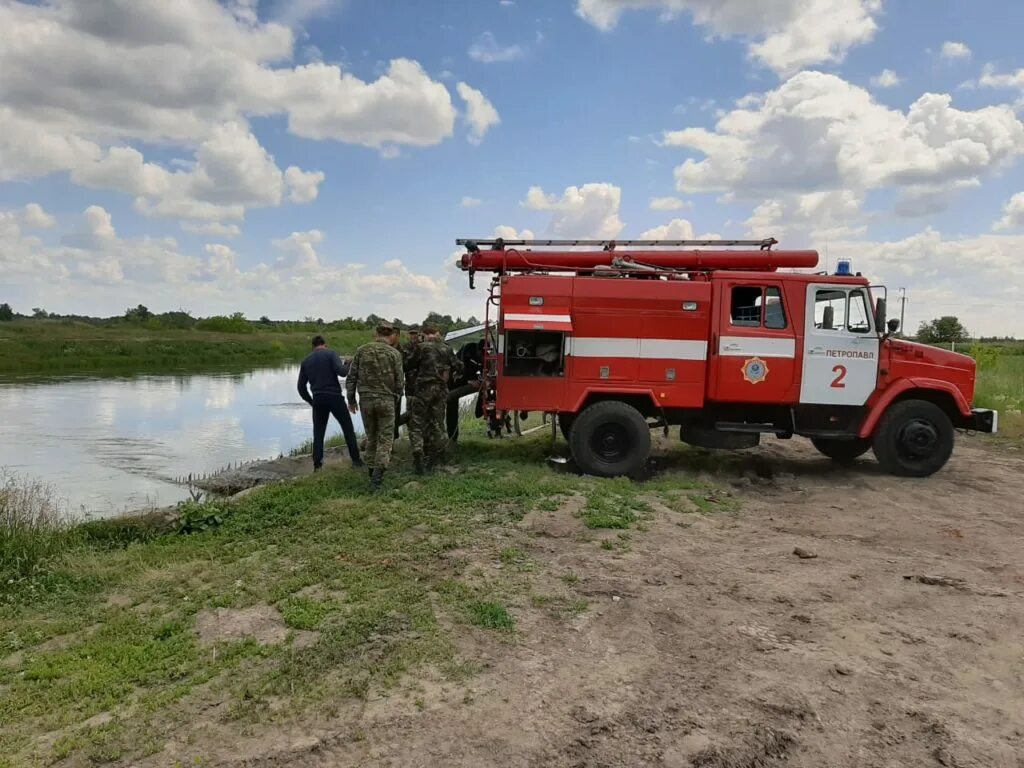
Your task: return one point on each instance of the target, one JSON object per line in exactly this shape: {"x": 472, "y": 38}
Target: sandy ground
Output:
{"x": 708, "y": 642}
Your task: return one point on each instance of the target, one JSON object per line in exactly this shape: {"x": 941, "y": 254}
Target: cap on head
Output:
{"x": 428, "y": 330}
{"x": 319, "y": 341}
{"x": 385, "y": 330}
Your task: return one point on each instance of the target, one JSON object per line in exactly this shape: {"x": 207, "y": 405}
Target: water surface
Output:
{"x": 112, "y": 445}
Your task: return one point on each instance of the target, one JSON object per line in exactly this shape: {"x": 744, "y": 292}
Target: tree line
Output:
{"x": 237, "y": 322}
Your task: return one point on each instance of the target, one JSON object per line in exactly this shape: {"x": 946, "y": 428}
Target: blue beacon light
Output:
{"x": 843, "y": 267}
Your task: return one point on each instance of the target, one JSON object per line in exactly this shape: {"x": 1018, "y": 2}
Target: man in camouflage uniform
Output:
{"x": 433, "y": 364}
{"x": 408, "y": 351}
{"x": 376, "y": 374}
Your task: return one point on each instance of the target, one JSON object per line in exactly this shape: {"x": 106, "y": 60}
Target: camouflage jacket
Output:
{"x": 434, "y": 364}
{"x": 408, "y": 352}
{"x": 376, "y": 370}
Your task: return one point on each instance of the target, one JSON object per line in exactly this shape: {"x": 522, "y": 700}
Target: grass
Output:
{"x": 490, "y": 615}
{"x": 53, "y": 347}
{"x": 105, "y": 624}
{"x": 1001, "y": 385}
{"x": 33, "y": 529}
{"x": 108, "y": 625}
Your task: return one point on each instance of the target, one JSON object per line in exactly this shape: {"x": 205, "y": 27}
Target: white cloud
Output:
{"x": 480, "y": 113}
{"x": 34, "y": 216}
{"x": 814, "y": 215}
{"x": 886, "y": 79}
{"x": 298, "y": 251}
{"x": 487, "y": 50}
{"x": 990, "y": 78}
{"x": 785, "y": 35}
{"x": 818, "y": 133}
{"x": 677, "y": 229}
{"x": 303, "y": 186}
{"x": 86, "y": 83}
{"x": 1013, "y": 213}
{"x": 94, "y": 269}
{"x": 511, "y": 233}
{"x": 470, "y": 202}
{"x": 954, "y": 50}
{"x": 213, "y": 229}
{"x": 588, "y": 211}
{"x": 668, "y": 204}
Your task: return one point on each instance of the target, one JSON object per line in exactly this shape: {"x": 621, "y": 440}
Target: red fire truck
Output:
{"x": 617, "y": 338}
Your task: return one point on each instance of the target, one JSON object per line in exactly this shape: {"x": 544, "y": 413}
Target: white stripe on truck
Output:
{"x": 645, "y": 349}
{"x": 749, "y": 346}
{"x": 532, "y": 318}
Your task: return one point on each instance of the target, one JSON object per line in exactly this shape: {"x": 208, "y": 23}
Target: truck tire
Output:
{"x": 914, "y": 438}
{"x": 610, "y": 439}
{"x": 842, "y": 451}
{"x": 565, "y": 422}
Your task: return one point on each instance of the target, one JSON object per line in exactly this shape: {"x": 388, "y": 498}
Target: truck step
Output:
{"x": 739, "y": 426}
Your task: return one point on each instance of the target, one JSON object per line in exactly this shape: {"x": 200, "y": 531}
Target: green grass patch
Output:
{"x": 613, "y": 510}
{"x": 490, "y": 615}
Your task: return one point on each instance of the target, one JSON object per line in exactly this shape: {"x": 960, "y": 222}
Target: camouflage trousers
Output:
{"x": 379, "y": 422}
{"x": 426, "y": 422}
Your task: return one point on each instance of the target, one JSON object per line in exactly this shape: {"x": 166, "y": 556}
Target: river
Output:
{"x": 110, "y": 445}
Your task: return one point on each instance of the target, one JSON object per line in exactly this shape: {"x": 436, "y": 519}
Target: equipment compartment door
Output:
{"x": 840, "y": 365}
{"x": 755, "y": 354}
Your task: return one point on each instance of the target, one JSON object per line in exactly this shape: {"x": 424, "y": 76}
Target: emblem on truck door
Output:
{"x": 755, "y": 370}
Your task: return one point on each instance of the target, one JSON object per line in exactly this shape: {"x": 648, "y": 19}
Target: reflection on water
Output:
{"x": 110, "y": 445}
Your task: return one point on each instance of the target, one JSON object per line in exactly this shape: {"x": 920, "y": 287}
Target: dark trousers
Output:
{"x": 323, "y": 406}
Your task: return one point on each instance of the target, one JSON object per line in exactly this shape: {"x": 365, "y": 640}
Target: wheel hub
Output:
{"x": 610, "y": 442}
{"x": 918, "y": 439}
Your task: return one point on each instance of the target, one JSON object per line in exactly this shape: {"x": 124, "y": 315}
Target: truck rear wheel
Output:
{"x": 914, "y": 438}
{"x": 841, "y": 451}
{"x": 609, "y": 439}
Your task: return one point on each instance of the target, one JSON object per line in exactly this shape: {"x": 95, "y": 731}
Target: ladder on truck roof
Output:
{"x": 498, "y": 243}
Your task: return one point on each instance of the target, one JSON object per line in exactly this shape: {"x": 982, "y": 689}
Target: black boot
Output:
{"x": 377, "y": 479}
{"x": 417, "y": 463}
{"x": 357, "y": 464}
{"x": 369, "y": 472}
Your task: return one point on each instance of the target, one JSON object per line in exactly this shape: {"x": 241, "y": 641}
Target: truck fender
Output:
{"x": 902, "y": 386}
{"x": 613, "y": 392}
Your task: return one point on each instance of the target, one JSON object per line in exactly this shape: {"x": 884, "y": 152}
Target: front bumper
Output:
{"x": 984, "y": 420}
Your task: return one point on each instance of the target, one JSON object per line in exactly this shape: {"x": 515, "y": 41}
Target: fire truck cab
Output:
{"x": 615, "y": 339}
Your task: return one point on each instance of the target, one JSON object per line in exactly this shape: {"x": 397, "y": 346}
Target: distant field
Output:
{"x": 29, "y": 347}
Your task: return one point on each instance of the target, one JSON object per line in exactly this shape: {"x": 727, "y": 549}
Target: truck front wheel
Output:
{"x": 914, "y": 438}
{"x": 841, "y": 451}
{"x": 609, "y": 439}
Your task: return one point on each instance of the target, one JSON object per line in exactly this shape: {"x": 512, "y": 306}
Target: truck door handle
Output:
{"x": 817, "y": 351}
{"x": 731, "y": 347}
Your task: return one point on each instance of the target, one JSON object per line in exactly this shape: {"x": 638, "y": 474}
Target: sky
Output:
{"x": 318, "y": 158}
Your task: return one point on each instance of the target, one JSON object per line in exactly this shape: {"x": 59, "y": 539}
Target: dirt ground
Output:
{"x": 895, "y": 640}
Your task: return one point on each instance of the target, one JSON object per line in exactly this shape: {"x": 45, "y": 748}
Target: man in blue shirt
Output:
{"x": 320, "y": 372}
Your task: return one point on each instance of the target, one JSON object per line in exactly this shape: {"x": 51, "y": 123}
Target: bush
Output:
{"x": 33, "y": 530}
{"x": 234, "y": 324}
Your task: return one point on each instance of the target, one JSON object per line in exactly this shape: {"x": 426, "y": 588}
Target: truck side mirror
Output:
{"x": 893, "y": 325}
{"x": 828, "y": 318}
{"x": 879, "y": 314}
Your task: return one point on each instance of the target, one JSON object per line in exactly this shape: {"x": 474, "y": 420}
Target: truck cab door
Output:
{"x": 754, "y": 357}
{"x": 841, "y": 346}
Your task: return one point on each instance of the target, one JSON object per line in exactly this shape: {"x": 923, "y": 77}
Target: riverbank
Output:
{"x": 509, "y": 614}
{"x": 54, "y": 347}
